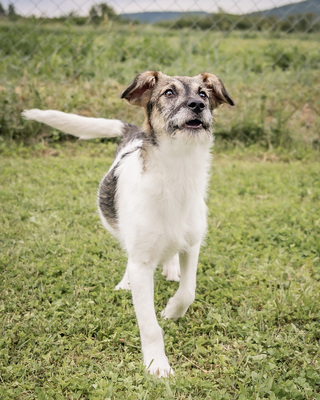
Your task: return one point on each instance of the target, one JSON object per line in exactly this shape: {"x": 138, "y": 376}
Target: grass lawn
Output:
{"x": 252, "y": 333}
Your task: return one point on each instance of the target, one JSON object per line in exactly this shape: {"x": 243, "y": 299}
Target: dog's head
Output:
{"x": 177, "y": 105}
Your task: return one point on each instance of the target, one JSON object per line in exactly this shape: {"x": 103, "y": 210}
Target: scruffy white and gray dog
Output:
{"x": 153, "y": 196}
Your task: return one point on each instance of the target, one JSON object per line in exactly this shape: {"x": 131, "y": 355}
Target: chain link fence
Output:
{"x": 201, "y": 16}
{"x": 270, "y": 59}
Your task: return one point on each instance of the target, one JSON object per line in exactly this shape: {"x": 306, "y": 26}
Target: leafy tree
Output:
{"x": 93, "y": 14}
{"x": 2, "y": 11}
{"x": 100, "y": 12}
{"x": 11, "y": 13}
{"x": 106, "y": 10}
{"x": 11, "y": 10}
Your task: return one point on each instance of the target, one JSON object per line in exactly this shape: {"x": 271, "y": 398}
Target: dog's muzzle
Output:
{"x": 196, "y": 106}
{"x": 192, "y": 116}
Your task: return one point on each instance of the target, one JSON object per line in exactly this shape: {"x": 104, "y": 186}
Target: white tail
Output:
{"x": 82, "y": 127}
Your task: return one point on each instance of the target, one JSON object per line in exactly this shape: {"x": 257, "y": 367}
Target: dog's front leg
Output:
{"x": 142, "y": 288}
{"x": 184, "y": 296}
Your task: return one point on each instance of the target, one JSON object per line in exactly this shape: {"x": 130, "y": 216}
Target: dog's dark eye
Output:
{"x": 203, "y": 94}
{"x": 169, "y": 93}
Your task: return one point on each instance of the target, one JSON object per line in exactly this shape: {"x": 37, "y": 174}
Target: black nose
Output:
{"x": 196, "y": 105}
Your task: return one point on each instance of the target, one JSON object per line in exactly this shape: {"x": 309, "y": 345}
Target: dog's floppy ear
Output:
{"x": 139, "y": 92}
{"x": 218, "y": 90}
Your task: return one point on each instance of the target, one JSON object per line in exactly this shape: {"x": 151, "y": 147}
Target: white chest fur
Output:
{"x": 161, "y": 206}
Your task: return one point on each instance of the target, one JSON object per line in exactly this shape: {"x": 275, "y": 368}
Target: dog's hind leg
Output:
{"x": 185, "y": 295}
{"x": 124, "y": 284}
{"x": 171, "y": 269}
{"x": 142, "y": 287}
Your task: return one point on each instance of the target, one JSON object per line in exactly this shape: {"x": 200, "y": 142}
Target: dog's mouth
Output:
{"x": 193, "y": 124}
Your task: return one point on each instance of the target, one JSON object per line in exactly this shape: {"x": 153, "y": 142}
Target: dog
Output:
{"x": 152, "y": 199}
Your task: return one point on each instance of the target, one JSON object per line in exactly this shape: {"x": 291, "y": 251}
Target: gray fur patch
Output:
{"x": 107, "y": 195}
{"x": 107, "y": 198}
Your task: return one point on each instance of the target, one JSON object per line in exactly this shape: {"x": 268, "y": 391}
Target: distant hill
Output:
{"x": 159, "y": 16}
{"x": 304, "y": 7}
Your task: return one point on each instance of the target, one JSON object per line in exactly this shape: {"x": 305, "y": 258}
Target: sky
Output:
{"x": 53, "y": 8}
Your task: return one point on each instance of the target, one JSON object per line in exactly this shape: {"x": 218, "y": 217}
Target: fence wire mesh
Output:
{"x": 260, "y": 53}
{"x": 241, "y": 16}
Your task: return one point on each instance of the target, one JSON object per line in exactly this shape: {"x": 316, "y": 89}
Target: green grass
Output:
{"x": 253, "y": 331}
{"x": 273, "y": 78}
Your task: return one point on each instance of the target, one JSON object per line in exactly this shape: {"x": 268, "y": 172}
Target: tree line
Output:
{"x": 97, "y": 14}
{"x": 225, "y": 22}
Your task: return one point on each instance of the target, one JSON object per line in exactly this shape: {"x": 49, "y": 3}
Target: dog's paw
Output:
{"x": 174, "y": 309}
{"x": 171, "y": 269}
{"x": 171, "y": 275}
{"x": 160, "y": 368}
{"x": 123, "y": 285}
